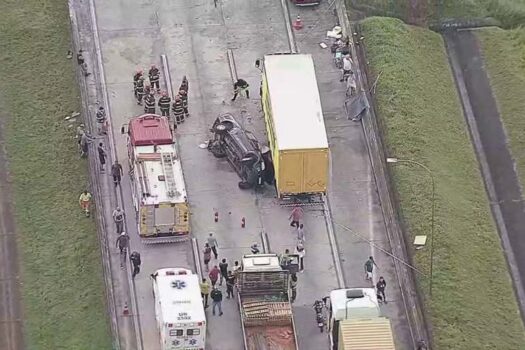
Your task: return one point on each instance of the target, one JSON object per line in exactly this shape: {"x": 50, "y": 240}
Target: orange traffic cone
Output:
{"x": 298, "y": 23}
{"x": 125, "y": 312}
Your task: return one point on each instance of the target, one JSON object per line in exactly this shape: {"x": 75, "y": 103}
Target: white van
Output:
{"x": 179, "y": 310}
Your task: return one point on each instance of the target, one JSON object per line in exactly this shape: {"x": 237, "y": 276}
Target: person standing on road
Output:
{"x": 101, "y": 156}
{"x": 154, "y": 77}
{"x": 214, "y": 275}
{"x": 212, "y": 242}
{"x": 293, "y": 287}
{"x": 122, "y": 242}
{"x": 239, "y": 87}
{"x": 369, "y": 268}
{"x": 184, "y": 85}
{"x": 101, "y": 121}
{"x": 236, "y": 269}
{"x": 223, "y": 267}
{"x": 206, "y": 254}
{"x": 296, "y": 216}
{"x": 300, "y": 233}
{"x": 381, "y": 286}
{"x": 136, "y": 77}
{"x": 230, "y": 282}
{"x": 347, "y": 67}
{"x": 184, "y": 99}
{"x": 301, "y": 252}
{"x": 255, "y": 248}
{"x": 85, "y": 140}
{"x": 149, "y": 104}
{"x": 116, "y": 172}
{"x": 178, "y": 110}
{"x": 118, "y": 218}
{"x": 135, "y": 261}
{"x": 216, "y": 297}
{"x": 139, "y": 90}
{"x": 164, "y": 104}
{"x": 85, "y": 201}
{"x": 205, "y": 291}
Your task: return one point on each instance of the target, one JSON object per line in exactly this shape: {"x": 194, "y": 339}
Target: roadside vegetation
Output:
{"x": 473, "y": 304}
{"x": 511, "y": 13}
{"x": 61, "y": 274}
{"x": 504, "y": 56}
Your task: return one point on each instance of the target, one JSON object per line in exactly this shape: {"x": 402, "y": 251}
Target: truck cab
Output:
{"x": 356, "y": 322}
{"x": 178, "y": 309}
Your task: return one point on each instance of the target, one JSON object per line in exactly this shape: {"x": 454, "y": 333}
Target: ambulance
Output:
{"x": 179, "y": 309}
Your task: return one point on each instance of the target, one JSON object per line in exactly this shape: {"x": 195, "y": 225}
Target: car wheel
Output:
{"x": 217, "y": 150}
{"x": 223, "y": 127}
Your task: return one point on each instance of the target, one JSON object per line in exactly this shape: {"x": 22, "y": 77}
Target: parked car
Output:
{"x": 241, "y": 149}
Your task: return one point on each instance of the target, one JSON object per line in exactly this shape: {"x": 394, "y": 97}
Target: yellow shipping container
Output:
{"x": 295, "y": 124}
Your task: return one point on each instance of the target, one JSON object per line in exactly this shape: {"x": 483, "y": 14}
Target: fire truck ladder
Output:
{"x": 167, "y": 166}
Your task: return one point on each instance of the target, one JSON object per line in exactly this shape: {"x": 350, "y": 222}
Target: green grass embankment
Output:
{"x": 61, "y": 277}
{"x": 511, "y": 13}
{"x": 473, "y": 305}
{"x": 504, "y": 55}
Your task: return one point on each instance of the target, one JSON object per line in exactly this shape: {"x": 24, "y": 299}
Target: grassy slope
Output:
{"x": 62, "y": 282}
{"x": 504, "y": 53}
{"x": 473, "y": 305}
{"x": 510, "y": 12}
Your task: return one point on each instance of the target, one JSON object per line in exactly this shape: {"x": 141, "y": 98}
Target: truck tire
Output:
{"x": 223, "y": 127}
{"x": 216, "y": 150}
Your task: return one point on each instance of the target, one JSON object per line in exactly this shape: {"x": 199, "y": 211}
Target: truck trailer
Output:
{"x": 158, "y": 187}
{"x": 294, "y": 124}
{"x": 356, "y": 322}
{"x": 266, "y": 312}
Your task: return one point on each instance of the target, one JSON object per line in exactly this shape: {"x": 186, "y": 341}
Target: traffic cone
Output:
{"x": 298, "y": 23}
{"x": 243, "y": 222}
{"x": 125, "y": 312}
{"x": 216, "y": 216}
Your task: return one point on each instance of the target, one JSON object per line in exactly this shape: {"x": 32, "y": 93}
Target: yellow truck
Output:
{"x": 294, "y": 124}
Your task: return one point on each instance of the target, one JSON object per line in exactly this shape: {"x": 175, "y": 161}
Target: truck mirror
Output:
{"x": 123, "y": 129}
{"x": 257, "y": 63}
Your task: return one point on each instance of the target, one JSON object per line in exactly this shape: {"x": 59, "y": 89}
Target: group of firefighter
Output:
{"x": 145, "y": 95}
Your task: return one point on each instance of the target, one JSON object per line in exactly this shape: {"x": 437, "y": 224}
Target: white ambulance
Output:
{"x": 179, "y": 309}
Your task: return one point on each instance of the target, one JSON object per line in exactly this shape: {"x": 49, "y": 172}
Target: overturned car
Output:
{"x": 241, "y": 148}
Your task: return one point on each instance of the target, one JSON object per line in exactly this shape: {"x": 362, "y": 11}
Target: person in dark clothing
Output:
{"x": 240, "y": 86}
{"x": 116, "y": 172}
{"x": 184, "y": 85}
{"x": 101, "y": 156}
{"x": 154, "y": 77}
{"x": 139, "y": 90}
{"x": 381, "y": 285}
{"x": 216, "y": 297}
{"x": 293, "y": 287}
{"x": 136, "y": 77}
{"x": 149, "y": 104}
{"x": 164, "y": 104}
{"x": 223, "y": 267}
{"x": 230, "y": 282}
{"x": 101, "y": 120}
{"x": 122, "y": 242}
{"x": 178, "y": 110}
{"x": 184, "y": 98}
{"x": 135, "y": 261}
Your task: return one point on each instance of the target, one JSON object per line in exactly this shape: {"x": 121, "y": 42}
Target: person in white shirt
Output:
{"x": 347, "y": 67}
{"x": 299, "y": 250}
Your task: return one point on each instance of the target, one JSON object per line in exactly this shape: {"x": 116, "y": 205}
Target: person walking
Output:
{"x": 212, "y": 242}
{"x": 101, "y": 156}
{"x": 205, "y": 291}
{"x": 223, "y": 267}
{"x": 154, "y": 77}
{"x": 101, "y": 121}
{"x": 230, "y": 282}
{"x": 216, "y": 297}
{"x": 255, "y": 248}
{"x": 214, "y": 275}
{"x": 122, "y": 242}
{"x": 293, "y": 287}
{"x": 118, "y": 218}
{"x": 184, "y": 85}
{"x": 149, "y": 104}
{"x": 369, "y": 268}
{"x": 301, "y": 252}
{"x": 135, "y": 261}
{"x": 239, "y": 87}
{"x": 184, "y": 98}
{"x": 206, "y": 254}
{"x": 85, "y": 140}
{"x": 139, "y": 90}
{"x": 300, "y": 233}
{"x": 178, "y": 110}
{"x": 381, "y": 286}
{"x": 296, "y": 216}
{"x": 164, "y": 104}
{"x": 85, "y": 201}
{"x": 116, "y": 172}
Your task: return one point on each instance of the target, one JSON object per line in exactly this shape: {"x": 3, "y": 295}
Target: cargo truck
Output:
{"x": 266, "y": 312}
{"x": 356, "y": 322}
{"x": 294, "y": 124}
{"x": 158, "y": 188}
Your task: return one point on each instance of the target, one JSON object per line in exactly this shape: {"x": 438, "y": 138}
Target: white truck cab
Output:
{"x": 178, "y": 308}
